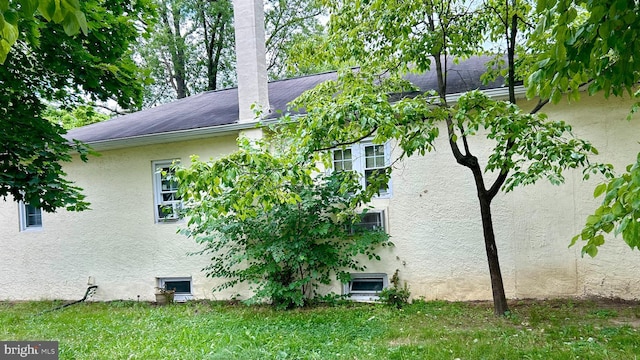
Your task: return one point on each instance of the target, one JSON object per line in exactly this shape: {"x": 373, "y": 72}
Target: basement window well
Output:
{"x": 182, "y": 286}
{"x": 365, "y": 286}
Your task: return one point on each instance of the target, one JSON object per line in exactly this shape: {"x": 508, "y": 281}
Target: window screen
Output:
{"x": 180, "y": 286}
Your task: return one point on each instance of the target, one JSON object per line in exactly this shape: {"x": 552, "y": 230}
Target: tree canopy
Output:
{"x": 70, "y": 119}
{"x": 49, "y": 66}
{"x": 18, "y": 20}
{"x": 192, "y": 48}
{"x": 595, "y": 44}
{"x": 388, "y": 40}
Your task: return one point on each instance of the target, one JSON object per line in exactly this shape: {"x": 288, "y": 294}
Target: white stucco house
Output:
{"x": 127, "y": 246}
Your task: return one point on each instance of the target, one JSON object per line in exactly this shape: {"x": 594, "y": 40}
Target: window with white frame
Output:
{"x": 367, "y": 159}
{"x": 371, "y": 220}
{"x": 167, "y": 203}
{"x": 30, "y": 217}
{"x": 181, "y": 286}
{"x": 342, "y": 160}
{"x": 365, "y": 286}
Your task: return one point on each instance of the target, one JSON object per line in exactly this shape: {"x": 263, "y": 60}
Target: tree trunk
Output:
{"x": 179, "y": 57}
{"x": 176, "y": 68}
{"x": 500, "y": 306}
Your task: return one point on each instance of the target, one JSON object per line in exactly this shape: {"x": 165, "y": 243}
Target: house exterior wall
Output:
{"x": 117, "y": 243}
{"x": 432, "y": 216}
{"x": 435, "y": 222}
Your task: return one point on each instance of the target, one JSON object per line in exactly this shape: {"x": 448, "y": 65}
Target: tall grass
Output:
{"x": 566, "y": 329}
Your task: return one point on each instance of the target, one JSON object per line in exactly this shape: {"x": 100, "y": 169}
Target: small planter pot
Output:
{"x": 164, "y": 297}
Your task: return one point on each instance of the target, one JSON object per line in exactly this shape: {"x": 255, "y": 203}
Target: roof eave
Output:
{"x": 501, "y": 93}
{"x": 171, "y": 136}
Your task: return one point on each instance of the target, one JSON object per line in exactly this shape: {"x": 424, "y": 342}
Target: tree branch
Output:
{"x": 115, "y": 111}
{"x": 504, "y": 172}
{"x": 349, "y": 142}
{"x": 541, "y": 103}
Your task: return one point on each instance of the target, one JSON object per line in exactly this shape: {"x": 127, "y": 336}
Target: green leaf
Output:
{"x": 599, "y": 190}
{"x": 590, "y": 250}
{"x": 28, "y": 7}
{"x": 597, "y": 240}
{"x": 47, "y": 9}
{"x": 70, "y": 24}
{"x": 574, "y": 240}
{"x": 623, "y": 225}
{"x": 82, "y": 22}
{"x": 593, "y": 219}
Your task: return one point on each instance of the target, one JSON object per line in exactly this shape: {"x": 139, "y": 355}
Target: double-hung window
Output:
{"x": 30, "y": 217}
{"x": 167, "y": 202}
{"x": 367, "y": 159}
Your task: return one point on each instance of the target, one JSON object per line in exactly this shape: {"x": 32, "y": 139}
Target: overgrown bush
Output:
{"x": 267, "y": 221}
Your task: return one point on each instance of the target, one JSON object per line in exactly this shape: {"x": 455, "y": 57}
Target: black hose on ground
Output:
{"x": 90, "y": 291}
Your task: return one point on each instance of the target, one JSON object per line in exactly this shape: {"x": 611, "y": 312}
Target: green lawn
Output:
{"x": 556, "y": 329}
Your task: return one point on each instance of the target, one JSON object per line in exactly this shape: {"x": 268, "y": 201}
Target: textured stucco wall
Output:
{"x": 436, "y": 226}
{"x": 117, "y": 242}
{"x": 433, "y": 218}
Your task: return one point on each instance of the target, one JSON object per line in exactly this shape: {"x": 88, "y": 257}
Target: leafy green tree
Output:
{"x": 70, "y": 119}
{"x": 54, "y": 67}
{"x": 288, "y": 23}
{"x": 193, "y": 46}
{"x": 595, "y": 44}
{"x": 217, "y": 33}
{"x": 171, "y": 52}
{"x": 306, "y": 56}
{"x": 389, "y": 39}
{"x": 23, "y": 18}
{"x": 266, "y": 220}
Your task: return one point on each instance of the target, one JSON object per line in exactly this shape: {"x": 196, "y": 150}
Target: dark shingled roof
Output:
{"x": 220, "y": 107}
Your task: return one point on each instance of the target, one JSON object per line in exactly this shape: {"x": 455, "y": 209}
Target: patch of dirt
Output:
{"x": 634, "y": 323}
{"x": 401, "y": 342}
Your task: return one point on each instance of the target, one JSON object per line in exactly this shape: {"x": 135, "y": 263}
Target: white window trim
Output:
{"x": 365, "y": 296}
{"x": 358, "y": 163}
{"x": 177, "y": 297}
{"x": 157, "y": 193}
{"x": 22, "y": 211}
{"x": 383, "y": 218}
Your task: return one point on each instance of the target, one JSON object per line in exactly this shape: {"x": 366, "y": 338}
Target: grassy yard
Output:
{"x": 555, "y": 329}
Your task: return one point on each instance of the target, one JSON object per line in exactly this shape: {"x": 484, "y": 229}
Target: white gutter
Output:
{"x": 222, "y": 130}
{"x": 501, "y": 93}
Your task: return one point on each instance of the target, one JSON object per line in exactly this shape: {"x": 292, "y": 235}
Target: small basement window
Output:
{"x": 365, "y": 287}
{"x": 182, "y": 286}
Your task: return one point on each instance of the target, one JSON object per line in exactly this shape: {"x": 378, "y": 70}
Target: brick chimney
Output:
{"x": 251, "y": 63}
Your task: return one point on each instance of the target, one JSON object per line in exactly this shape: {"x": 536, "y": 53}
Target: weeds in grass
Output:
{"x": 605, "y": 313}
